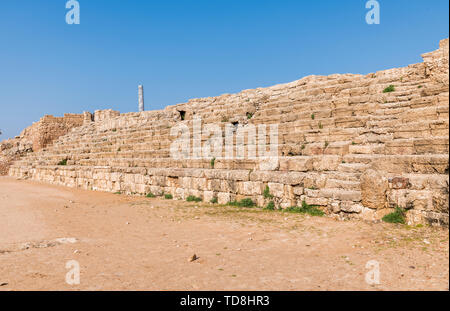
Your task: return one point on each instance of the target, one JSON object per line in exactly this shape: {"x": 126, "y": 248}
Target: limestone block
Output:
{"x": 180, "y": 194}
{"x": 316, "y": 201}
{"x": 140, "y": 188}
{"x": 186, "y": 182}
{"x": 208, "y": 196}
{"x": 250, "y": 188}
{"x": 269, "y": 164}
{"x": 242, "y": 175}
{"x": 414, "y": 217}
{"x": 399, "y": 183}
{"x": 287, "y": 178}
{"x": 314, "y": 193}
{"x": 368, "y": 214}
{"x": 224, "y": 197}
{"x": 139, "y": 179}
{"x": 156, "y": 190}
{"x": 299, "y": 164}
{"x": 441, "y": 201}
{"x": 289, "y": 193}
{"x": 411, "y": 199}
{"x": 436, "y": 182}
{"x": 128, "y": 178}
{"x": 367, "y": 149}
{"x": 351, "y": 207}
{"x": 298, "y": 190}
{"x": 338, "y": 194}
{"x": 199, "y": 183}
{"x": 335, "y": 206}
{"x": 276, "y": 189}
{"x": 326, "y": 163}
{"x": 374, "y": 186}
{"x": 230, "y": 186}
{"x": 286, "y": 204}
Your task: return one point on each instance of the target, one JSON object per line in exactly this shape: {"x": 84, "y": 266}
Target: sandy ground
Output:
{"x": 135, "y": 243}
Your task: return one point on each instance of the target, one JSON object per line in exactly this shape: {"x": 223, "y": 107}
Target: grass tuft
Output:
{"x": 397, "y": 217}
{"x": 243, "y": 203}
{"x": 214, "y": 200}
{"x": 270, "y": 206}
{"x": 192, "y": 198}
{"x": 150, "y": 195}
{"x": 267, "y": 194}
{"x": 389, "y": 89}
{"x": 168, "y": 196}
{"x": 63, "y": 162}
{"x": 305, "y": 209}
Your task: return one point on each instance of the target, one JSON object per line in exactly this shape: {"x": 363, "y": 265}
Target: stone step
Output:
{"x": 352, "y": 167}
{"x": 343, "y": 184}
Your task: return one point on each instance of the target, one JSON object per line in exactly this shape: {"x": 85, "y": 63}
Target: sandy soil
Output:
{"x": 135, "y": 243}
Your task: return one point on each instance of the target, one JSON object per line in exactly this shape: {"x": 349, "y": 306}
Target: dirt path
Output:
{"x": 132, "y": 243}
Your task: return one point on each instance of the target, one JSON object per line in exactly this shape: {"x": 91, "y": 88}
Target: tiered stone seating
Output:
{"x": 343, "y": 144}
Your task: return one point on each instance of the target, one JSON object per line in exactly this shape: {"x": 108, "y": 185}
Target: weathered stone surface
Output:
{"x": 374, "y": 187}
{"x": 399, "y": 183}
{"x": 343, "y": 144}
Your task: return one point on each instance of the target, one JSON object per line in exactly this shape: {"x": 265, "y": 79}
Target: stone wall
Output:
{"x": 344, "y": 144}
{"x": 36, "y": 137}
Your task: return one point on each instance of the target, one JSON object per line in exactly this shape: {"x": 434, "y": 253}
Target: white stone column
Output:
{"x": 141, "y": 98}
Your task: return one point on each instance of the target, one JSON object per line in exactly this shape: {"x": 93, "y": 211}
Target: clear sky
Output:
{"x": 181, "y": 49}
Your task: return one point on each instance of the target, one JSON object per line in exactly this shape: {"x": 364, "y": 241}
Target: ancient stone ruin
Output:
{"x": 36, "y": 137}
{"x": 357, "y": 146}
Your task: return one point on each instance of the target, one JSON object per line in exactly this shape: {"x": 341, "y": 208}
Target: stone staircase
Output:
{"x": 343, "y": 144}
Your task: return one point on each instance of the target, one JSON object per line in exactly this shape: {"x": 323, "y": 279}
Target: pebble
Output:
{"x": 426, "y": 242}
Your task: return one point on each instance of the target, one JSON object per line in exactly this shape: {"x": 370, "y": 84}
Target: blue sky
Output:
{"x": 186, "y": 49}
